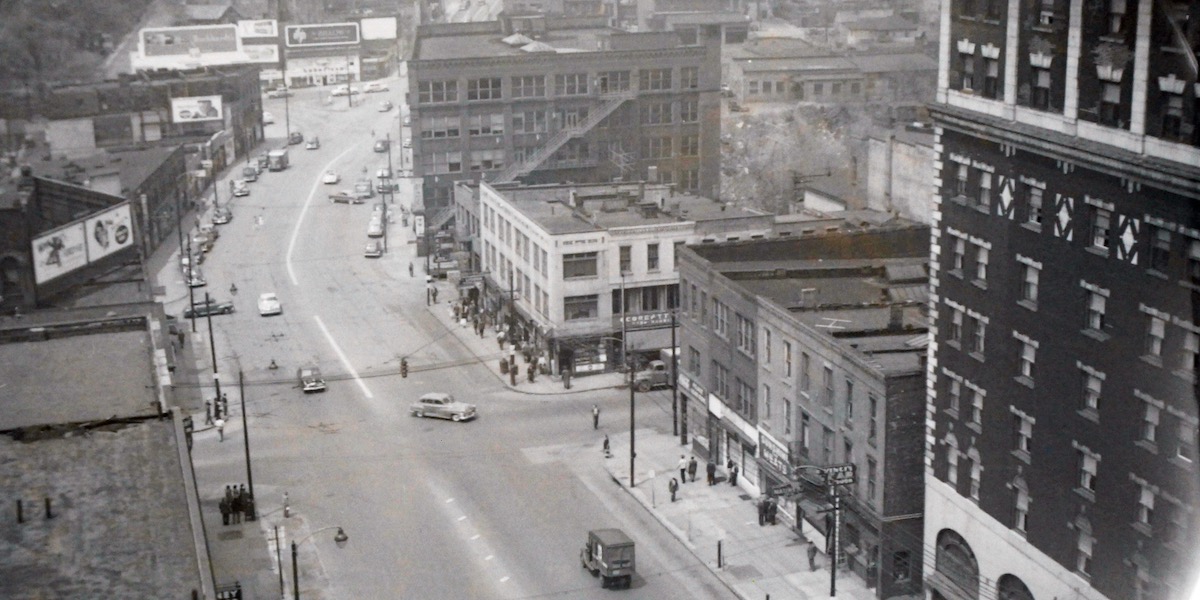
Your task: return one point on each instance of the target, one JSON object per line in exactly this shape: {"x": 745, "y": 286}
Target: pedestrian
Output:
{"x": 772, "y": 510}
{"x": 595, "y": 417}
{"x": 216, "y": 408}
{"x": 500, "y": 339}
{"x": 229, "y": 494}
{"x": 410, "y": 269}
{"x": 673, "y": 487}
{"x": 225, "y": 510}
{"x": 208, "y": 420}
{"x": 224, "y": 403}
{"x": 530, "y": 371}
{"x": 711, "y": 470}
{"x": 180, "y": 334}
{"x": 762, "y": 511}
{"x": 683, "y": 465}
{"x": 435, "y": 295}
{"x": 812, "y": 556}
{"x": 691, "y": 469}
{"x": 236, "y": 507}
{"x": 607, "y": 448}
{"x": 733, "y": 473}
{"x": 220, "y": 423}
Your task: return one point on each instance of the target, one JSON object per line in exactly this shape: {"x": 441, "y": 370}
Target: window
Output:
{"x": 955, "y": 395}
{"x": 689, "y": 144}
{"x": 1160, "y": 248}
{"x": 991, "y": 78}
{"x": 956, "y": 325}
{"x": 487, "y": 160}
{"x": 694, "y": 361}
{"x": 767, "y": 400}
{"x": 787, "y": 359}
{"x": 689, "y": 78}
{"x": 532, "y": 121}
{"x": 787, "y": 418}
{"x": 580, "y": 265}
{"x": 870, "y": 479}
{"x": 977, "y": 407}
{"x": 1024, "y": 433}
{"x": 656, "y": 147}
{"x": 1116, "y": 15}
{"x": 1095, "y": 311}
{"x": 656, "y": 113}
{"x": 485, "y": 124}
{"x": 1191, "y": 353}
{"x": 1193, "y": 262}
{"x": 766, "y": 346}
{"x": 1110, "y": 104}
{"x": 443, "y": 162}
{"x": 1154, "y": 337}
{"x": 818, "y": 89}
{"x": 1100, "y": 225}
{"x": 960, "y": 250}
{"x": 1028, "y": 357}
{"x": 651, "y": 257}
{"x": 429, "y": 92}
{"x": 1092, "y": 382}
{"x": 1149, "y": 431}
{"x": 901, "y": 566}
{"x": 873, "y": 419}
{"x": 626, "y": 256}
{"x": 720, "y": 319}
{"x": 976, "y": 473}
{"x": 1145, "y": 511}
{"x": 1029, "y": 289}
{"x": 968, "y": 72}
{"x": 745, "y": 396}
{"x": 1083, "y": 553}
{"x": 1087, "y": 471}
{"x": 439, "y": 127}
{"x": 689, "y": 111}
{"x": 581, "y": 307}
{"x": 827, "y": 384}
{"x": 804, "y": 370}
{"x": 745, "y": 332}
{"x": 1185, "y": 448}
{"x": 826, "y": 446}
{"x": 720, "y": 383}
{"x": 960, "y": 178}
{"x": 1041, "y": 89}
{"x": 487, "y": 88}
{"x": 1172, "y": 117}
{"x": 981, "y": 264}
{"x": 985, "y": 190}
{"x": 849, "y": 404}
{"x": 570, "y": 84}
{"x": 529, "y": 86}
{"x": 952, "y": 466}
{"x": 654, "y": 79}
{"x": 1021, "y": 511}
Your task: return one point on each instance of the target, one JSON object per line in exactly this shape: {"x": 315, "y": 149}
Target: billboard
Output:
{"x": 196, "y": 108}
{"x": 302, "y": 36}
{"x": 193, "y": 41}
{"x": 379, "y": 28}
{"x": 59, "y": 252}
{"x": 108, "y": 232}
{"x": 258, "y": 28}
{"x": 261, "y": 53}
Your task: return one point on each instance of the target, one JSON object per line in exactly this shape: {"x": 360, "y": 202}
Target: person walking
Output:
{"x": 208, "y": 420}
{"x": 225, "y": 510}
{"x": 812, "y": 556}
{"x": 224, "y": 403}
{"x": 595, "y": 417}
{"x": 711, "y": 470}
{"x": 762, "y": 511}
{"x": 691, "y": 468}
{"x": 683, "y": 465}
{"x": 236, "y": 507}
{"x": 733, "y": 473}
{"x": 673, "y": 487}
{"x": 607, "y": 448}
{"x": 220, "y": 423}
{"x": 410, "y": 269}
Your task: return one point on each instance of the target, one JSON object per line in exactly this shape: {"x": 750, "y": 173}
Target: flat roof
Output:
{"x": 491, "y": 44}
{"x": 122, "y": 527}
{"x": 549, "y": 207}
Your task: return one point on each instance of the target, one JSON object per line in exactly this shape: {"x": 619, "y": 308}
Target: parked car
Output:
{"x": 330, "y": 178}
{"x": 375, "y": 228}
{"x": 381, "y": 145}
{"x": 386, "y": 106}
{"x": 610, "y": 555}
{"x": 345, "y": 197}
{"x": 443, "y": 406}
{"x": 279, "y": 93}
{"x": 373, "y": 250}
{"x": 268, "y": 304}
{"x": 363, "y": 189}
{"x": 344, "y": 90}
{"x": 383, "y": 173}
{"x": 240, "y": 188}
{"x": 203, "y": 309}
{"x": 195, "y": 278}
{"x": 295, "y": 137}
{"x": 203, "y": 241}
{"x": 310, "y": 379}
{"x": 221, "y": 216}
{"x": 268, "y": 118}
{"x": 250, "y": 173}
{"x": 656, "y": 375}
{"x": 375, "y": 86}
{"x": 263, "y": 161}
{"x": 313, "y": 144}
{"x": 408, "y": 142}
{"x": 385, "y": 185}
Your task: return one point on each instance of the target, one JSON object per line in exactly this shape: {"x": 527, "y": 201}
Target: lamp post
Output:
{"x": 287, "y": 117}
{"x": 213, "y": 348}
{"x": 340, "y": 538}
{"x": 629, "y": 366}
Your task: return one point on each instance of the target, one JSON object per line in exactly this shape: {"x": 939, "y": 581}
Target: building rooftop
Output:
{"x": 892, "y": 23}
{"x": 131, "y": 167}
{"x": 563, "y": 209}
{"x": 559, "y": 36}
{"x": 894, "y": 62}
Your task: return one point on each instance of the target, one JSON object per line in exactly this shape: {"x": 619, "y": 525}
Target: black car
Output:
{"x": 295, "y": 137}
{"x": 203, "y": 309}
{"x": 381, "y": 146}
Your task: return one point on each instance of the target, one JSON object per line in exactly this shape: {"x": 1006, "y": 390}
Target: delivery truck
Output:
{"x": 277, "y": 160}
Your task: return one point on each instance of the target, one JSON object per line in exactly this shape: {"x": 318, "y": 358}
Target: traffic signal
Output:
{"x": 404, "y": 367}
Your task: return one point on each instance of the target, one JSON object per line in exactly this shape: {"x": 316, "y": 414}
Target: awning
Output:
{"x": 649, "y": 339}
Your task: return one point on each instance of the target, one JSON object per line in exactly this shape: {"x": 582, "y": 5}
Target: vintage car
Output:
{"x": 310, "y": 379}
{"x": 609, "y": 555}
{"x": 443, "y": 406}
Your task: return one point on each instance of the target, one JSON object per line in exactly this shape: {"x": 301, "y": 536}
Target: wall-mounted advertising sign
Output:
{"x": 196, "y": 108}
{"x": 302, "y": 36}
{"x": 188, "y": 41}
{"x": 108, "y": 232}
{"x": 258, "y": 28}
{"x": 59, "y": 252}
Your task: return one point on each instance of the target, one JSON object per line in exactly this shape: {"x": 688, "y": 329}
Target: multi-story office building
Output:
{"x": 807, "y": 353}
{"x": 1062, "y": 414}
{"x": 551, "y": 100}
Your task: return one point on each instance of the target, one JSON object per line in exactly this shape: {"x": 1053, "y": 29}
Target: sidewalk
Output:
{"x": 757, "y": 560}
{"x": 488, "y": 351}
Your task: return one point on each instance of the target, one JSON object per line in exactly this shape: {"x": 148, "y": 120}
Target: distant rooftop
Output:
{"x": 892, "y": 23}
{"x": 490, "y": 39}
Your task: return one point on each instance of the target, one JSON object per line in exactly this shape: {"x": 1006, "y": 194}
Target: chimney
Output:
{"x": 895, "y": 317}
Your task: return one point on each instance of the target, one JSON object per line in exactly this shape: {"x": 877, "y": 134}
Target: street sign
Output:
{"x": 839, "y": 475}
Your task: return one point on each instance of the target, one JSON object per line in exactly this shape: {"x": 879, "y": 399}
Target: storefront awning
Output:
{"x": 648, "y": 339}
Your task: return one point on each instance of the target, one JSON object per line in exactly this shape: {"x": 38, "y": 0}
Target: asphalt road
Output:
{"x": 494, "y": 508}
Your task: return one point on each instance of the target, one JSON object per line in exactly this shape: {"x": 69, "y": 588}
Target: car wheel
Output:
{"x": 456, "y": 417}
{"x": 604, "y": 581}
{"x": 227, "y": 310}
{"x": 417, "y": 413}
{"x": 643, "y": 386}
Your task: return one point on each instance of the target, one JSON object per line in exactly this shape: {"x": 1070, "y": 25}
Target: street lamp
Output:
{"x": 340, "y": 538}
{"x": 287, "y": 117}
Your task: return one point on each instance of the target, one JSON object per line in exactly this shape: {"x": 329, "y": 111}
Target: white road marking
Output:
{"x": 449, "y": 500}
{"x": 504, "y": 579}
{"x": 342, "y": 357}
{"x": 300, "y": 220}
{"x": 475, "y": 537}
{"x": 489, "y": 557}
{"x": 462, "y": 518}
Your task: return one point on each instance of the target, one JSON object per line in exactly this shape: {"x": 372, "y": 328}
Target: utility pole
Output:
{"x": 287, "y": 117}
{"x": 212, "y": 347}
{"x": 251, "y": 516}
{"x": 188, "y": 282}
{"x": 674, "y": 381}
{"x": 629, "y": 367}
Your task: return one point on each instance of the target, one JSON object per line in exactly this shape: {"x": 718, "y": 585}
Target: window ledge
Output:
{"x": 1142, "y": 528}
{"x": 1034, "y": 227}
{"x": 954, "y": 344}
{"x": 1021, "y": 455}
{"x": 1151, "y": 360}
{"x": 1182, "y": 463}
{"x": 959, "y": 199}
{"x": 1157, "y": 273}
{"x": 979, "y": 283}
{"x": 987, "y": 210}
{"x": 1025, "y": 381}
{"x": 955, "y": 272}
{"x": 1089, "y": 414}
{"x": 976, "y": 427}
{"x": 1095, "y": 334}
{"x": 1098, "y": 251}
{"x": 953, "y": 413}
{"x": 1189, "y": 285}
{"x": 1148, "y": 446}
{"x": 1028, "y": 304}
{"x": 1086, "y": 494}
{"x": 1184, "y": 374}
{"x": 976, "y": 355}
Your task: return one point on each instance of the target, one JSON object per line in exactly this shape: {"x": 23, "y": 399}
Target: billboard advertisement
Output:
{"x": 379, "y": 28}
{"x": 108, "y": 232}
{"x": 261, "y": 53}
{"x": 303, "y": 36}
{"x": 193, "y": 41}
{"x": 59, "y": 252}
{"x": 196, "y": 108}
{"x": 258, "y": 28}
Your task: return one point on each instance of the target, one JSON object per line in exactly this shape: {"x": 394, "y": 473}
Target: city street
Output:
{"x": 498, "y": 507}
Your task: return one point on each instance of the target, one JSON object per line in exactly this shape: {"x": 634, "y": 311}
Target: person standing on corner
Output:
{"x": 220, "y": 423}
{"x": 225, "y": 510}
{"x": 595, "y": 417}
{"x": 733, "y": 473}
{"x": 673, "y": 487}
{"x": 711, "y": 470}
{"x": 691, "y": 468}
{"x": 812, "y": 556}
{"x": 683, "y": 465}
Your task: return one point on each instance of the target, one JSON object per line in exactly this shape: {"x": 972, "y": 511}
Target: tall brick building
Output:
{"x": 1062, "y": 414}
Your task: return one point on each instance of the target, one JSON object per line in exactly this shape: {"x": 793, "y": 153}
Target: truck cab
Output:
{"x": 657, "y": 374}
{"x": 277, "y": 160}
{"x": 609, "y": 555}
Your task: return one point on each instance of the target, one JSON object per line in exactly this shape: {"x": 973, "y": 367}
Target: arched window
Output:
{"x": 956, "y": 562}
{"x": 1010, "y": 587}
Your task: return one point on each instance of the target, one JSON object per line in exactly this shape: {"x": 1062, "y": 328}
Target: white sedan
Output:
{"x": 331, "y": 178}
{"x": 268, "y": 304}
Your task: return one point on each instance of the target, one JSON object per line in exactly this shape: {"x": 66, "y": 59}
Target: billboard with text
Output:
{"x": 332, "y": 34}
{"x": 59, "y": 252}
{"x": 196, "y": 108}
{"x": 258, "y": 28}
{"x": 188, "y": 41}
{"x": 108, "y": 232}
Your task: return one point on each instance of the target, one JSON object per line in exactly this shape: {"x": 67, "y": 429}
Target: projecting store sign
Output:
{"x": 303, "y": 36}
